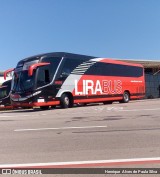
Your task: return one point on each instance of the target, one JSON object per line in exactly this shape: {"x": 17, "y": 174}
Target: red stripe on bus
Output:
{"x": 50, "y": 103}
{"x": 97, "y": 100}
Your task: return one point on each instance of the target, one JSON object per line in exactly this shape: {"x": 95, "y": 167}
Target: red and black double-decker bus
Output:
{"x": 65, "y": 79}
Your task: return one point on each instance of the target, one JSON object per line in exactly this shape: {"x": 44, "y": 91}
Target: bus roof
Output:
{"x": 74, "y": 56}
{"x": 58, "y": 54}
{"x": 121, "y": 62}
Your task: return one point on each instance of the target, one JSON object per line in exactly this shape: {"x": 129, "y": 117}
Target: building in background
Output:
{"x": 152, "y": 76}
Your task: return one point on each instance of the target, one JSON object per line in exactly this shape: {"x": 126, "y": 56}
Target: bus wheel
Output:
{"x": 126, "y": 97}
{"x": 66, "y": 101}
{"x": 44, "y": 107}
{"x": 107, "y": 102}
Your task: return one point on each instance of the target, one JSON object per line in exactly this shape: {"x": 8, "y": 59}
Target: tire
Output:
{"x": 66, "y": 101}
{"x": 44, "y": 107}
{"x": 107, "y": 102}
{"x": 126, "y": 97}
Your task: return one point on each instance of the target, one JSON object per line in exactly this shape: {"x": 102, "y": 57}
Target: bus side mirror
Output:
{"x": 6, "y": 72}
{"x": 34, "y": 66}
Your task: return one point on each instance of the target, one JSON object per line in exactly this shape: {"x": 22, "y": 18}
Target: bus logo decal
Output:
{"x": 98, "y": 87}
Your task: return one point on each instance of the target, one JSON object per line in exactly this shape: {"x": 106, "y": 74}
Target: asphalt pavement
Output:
{"x": 115, "y": 134}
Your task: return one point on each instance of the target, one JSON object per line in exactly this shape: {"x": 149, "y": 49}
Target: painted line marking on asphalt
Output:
{"x": 14, "y": 116}
{"x": 5, "y": 116}
{"x": 86, "y": 163}
{"x": 58, "y": 128}
{"x": 23, "y": 115}
{"x": 154, "y": 109}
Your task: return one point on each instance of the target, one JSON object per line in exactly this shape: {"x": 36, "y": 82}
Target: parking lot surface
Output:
{"x": 114, "y": 135}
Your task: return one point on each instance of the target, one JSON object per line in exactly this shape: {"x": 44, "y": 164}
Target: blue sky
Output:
{"x": 103, "y": 28}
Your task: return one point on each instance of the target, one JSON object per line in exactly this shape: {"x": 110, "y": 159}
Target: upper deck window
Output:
{"x": 45, "y": 74}
{"x": 68, "y": 66}
{"x": 111, "y": 69}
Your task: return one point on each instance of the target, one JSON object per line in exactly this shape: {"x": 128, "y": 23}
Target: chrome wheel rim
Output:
{"x": 126, "y": 98}
{"x": 66, "y": 100}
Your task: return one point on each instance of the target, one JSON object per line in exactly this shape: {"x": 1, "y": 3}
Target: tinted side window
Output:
{"x": 109, "y": 69}
{"x": 68, "y": 66}
{"x": 3, "y": 93}
{"x": 46, "y": 73}
{"x": 8, "y": 86}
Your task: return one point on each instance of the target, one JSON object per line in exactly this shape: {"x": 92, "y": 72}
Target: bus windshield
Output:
{"x": 22, "y": 81}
